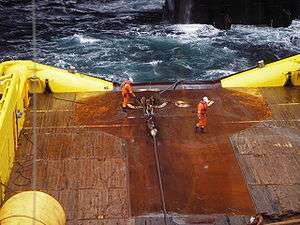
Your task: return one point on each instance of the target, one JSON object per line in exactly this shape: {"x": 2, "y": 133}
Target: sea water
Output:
{"x": 129, "y": 38}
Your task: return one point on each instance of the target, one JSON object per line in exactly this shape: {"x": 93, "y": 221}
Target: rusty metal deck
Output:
{"x": 99, "y": 162}
{"x": 269, "y": 155}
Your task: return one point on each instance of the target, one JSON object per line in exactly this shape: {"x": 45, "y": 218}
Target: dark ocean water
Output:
{"x": 123, "y": 38}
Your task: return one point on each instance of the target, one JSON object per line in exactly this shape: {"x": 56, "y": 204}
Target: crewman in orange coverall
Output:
{"x": 126, "y": 92}
{"x": 202, "y": 116}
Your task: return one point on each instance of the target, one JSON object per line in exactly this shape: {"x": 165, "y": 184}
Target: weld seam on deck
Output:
{"x": 51, "y": 110}
{"x": 274, "y": 184}
{"x": 85, "y": 126}
{"x": 260, "y": 121}
{"x": 127, "y": 181}
{"x": 244, "y": 177}
{"x": 285, "y": 104}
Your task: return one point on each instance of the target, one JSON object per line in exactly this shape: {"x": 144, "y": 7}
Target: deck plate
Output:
{"x": 99, "y": 162}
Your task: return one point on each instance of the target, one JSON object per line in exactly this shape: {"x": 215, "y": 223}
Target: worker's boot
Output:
{"x": 202, "y": 130}
{"x": 196, "y": 129}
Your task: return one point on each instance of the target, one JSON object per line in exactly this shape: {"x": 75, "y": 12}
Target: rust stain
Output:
{"x": 200, "y": 172}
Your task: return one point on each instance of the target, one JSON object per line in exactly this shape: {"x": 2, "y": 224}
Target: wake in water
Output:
{"x": 125, "y": 38}
{"x": 172, "y": 52}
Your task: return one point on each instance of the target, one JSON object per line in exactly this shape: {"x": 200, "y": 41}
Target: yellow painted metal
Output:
{"x": 32, "y": 207}
{"x": 17, "y": 78}
{"x": 9, "y": 103}
{"x": 271, "y": 75}
{"x": 59, "y": 80}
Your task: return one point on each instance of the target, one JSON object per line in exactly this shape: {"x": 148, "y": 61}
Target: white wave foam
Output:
{"x": 282, "y": 36}
{"x": 155, "y": 62}
{"x": 61, "y": 63}
{"x": 186, "y": 66}
{"x": 213, "y": 73}
{"x": 197, "y": 29}
{"x": 85, "y": 40}
{"x": 128, "y": 74}
{"x": 119, "y": 6}
{"x": 192, "y": 32}
{"x": 189, "y": 28}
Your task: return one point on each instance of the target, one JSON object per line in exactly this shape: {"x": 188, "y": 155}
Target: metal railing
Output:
{"x": 14, "y": 99}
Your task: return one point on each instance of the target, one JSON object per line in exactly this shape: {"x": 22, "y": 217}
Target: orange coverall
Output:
{"x": 202, "y": 107}
{"x": 126, "y": 91}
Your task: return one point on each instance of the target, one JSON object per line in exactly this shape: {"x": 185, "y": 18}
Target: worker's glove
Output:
{"x": 210, "y": 103}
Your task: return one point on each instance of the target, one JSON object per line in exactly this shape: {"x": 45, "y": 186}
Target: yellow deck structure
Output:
{"x": 275, "y": 74}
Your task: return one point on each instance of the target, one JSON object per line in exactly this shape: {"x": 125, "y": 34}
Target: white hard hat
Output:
{"x": 130, "y": 79}
{"x": 252, "y": 219}
{"x": 205, "y": 99}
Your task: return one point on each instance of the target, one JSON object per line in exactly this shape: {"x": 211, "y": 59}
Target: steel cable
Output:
{"x": 158, "y": 170}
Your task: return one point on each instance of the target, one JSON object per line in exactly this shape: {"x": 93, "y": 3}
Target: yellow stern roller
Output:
{"x": 32, "y": 207}
{"x": 271, "y": 75}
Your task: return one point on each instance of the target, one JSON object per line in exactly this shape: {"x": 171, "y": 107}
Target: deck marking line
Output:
{"x": 50, "y": 110}
{"x": 260, "y": 121}
{"x": 85, "y": 126}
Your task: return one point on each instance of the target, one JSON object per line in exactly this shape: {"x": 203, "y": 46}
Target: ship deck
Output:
{"x": 99, "y": 162}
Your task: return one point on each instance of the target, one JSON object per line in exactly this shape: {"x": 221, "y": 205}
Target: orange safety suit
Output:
{"x": 202, "y": 108}
{"x": 126, "y": 91}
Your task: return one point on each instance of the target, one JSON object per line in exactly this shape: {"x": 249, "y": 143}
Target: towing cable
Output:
{"x": 147, "y": 107}
{"x": 153, "y": 131}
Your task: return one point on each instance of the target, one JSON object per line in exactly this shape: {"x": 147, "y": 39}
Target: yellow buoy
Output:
{"x": 32, "y": 207}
